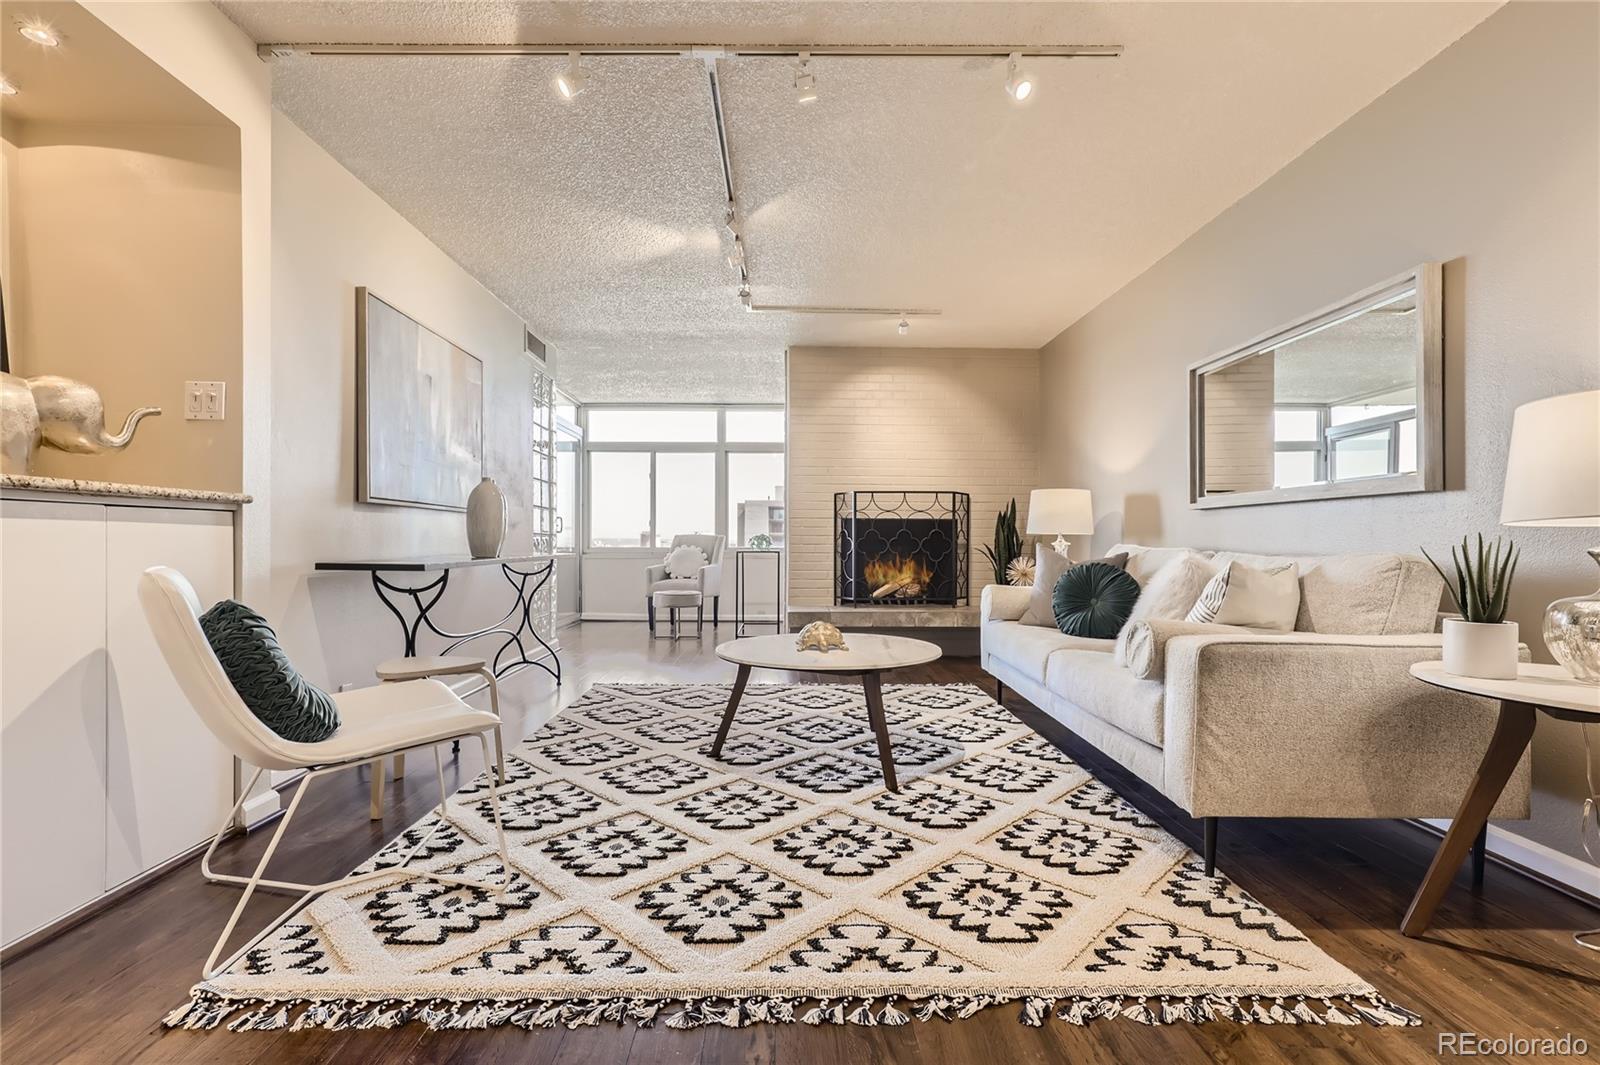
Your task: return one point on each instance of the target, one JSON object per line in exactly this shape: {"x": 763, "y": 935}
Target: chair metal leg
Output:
{"x": 494, "y": 706}
{"x": 650, "y": 612}
{"x": 700, "y": 619}
{"x": 716, "y": 604}
{"x": 307, "y": 891}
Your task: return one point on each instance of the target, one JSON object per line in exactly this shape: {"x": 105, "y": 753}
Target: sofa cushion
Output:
{"x": 1027, "y": 648}
{"x": 1378, "y": 594}
{"x": 1048, "y": 567}
{"x": 1146, "y": 562}
{"x": 1095, "y": 684}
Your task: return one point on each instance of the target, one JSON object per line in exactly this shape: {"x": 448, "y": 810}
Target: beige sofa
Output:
{"x": 1321, "y": 722}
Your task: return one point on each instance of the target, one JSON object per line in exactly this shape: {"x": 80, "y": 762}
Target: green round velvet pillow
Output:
{"x": 1093, "y": 599}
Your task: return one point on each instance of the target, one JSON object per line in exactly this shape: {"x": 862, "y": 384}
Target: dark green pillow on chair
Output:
{"x": 1093, "y": 599}
{"x": 260, "y": 672}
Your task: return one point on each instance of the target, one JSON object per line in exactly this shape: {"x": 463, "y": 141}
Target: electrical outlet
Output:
{"x": 205, "y": 401}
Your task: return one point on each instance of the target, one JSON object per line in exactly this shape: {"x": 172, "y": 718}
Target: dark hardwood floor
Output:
{"x": 1497, "y": 964}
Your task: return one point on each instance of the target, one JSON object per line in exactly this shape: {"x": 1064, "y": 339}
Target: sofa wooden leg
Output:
{"x": 1211, "y": 846}
{"x": 999, "y": 691}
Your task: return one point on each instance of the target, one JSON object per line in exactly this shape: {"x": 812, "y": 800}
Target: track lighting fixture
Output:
{"x": 1019, "y": 84}
{"x": 805, "y": 82}
{"x": 39, "y": 33}
{"x": 903, "y": 328}
{"x": 571, "y": 81}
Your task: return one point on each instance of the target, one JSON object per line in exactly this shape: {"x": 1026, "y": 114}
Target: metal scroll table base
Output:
{"x": 424, "y": 597}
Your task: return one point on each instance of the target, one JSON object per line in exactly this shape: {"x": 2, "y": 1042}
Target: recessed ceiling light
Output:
{"x": 903, "y": 328}
{"x": 6, "y": 87}
{"x": 1019, "y": 84}
{"x": 39, "y": 33}
{"x": 573, "y": 80}
{"x": 805, "y": 82}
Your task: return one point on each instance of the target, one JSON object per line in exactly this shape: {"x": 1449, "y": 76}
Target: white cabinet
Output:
{"x": 53, "y": 705}
{"x": 105, "y": 771}
{"x": 170, "y": 782}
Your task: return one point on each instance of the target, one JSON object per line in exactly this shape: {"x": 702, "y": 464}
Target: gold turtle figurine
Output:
{"x": 820, "y": 636}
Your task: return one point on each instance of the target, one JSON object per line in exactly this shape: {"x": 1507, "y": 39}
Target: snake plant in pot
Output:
{"x": 1481, "y": 642}
{"x": 1007, "y": 544}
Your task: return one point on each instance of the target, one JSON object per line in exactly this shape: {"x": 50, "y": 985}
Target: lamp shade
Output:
{"x": 1553, "y": 467}
{"x": 1060, "y": 510}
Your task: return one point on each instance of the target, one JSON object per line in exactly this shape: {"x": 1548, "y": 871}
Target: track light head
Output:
{"x": 1019, "y": 83}
{"x": 805, "y": 82}
{"x": 39, "y": 32}
{"x": 7, "y": 86}
{"x": 572, "y": 81}
{"x": 903, "y": 328}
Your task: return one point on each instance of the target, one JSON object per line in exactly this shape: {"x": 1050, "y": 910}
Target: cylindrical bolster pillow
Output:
{"x": 1145, "y": 643}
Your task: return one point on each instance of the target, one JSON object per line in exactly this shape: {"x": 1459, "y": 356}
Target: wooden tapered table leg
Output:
{"x": 727, "y": 715}
{"x": 873, "y": 684}
{"x": 1512, "y": 734}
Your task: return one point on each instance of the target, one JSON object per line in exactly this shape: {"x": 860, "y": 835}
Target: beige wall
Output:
{"x": 963, "y": 420}
{"x": 1486, "y": 159}
{"x": 124, "y": 272}
{"x": 196, "y": 44}
{"x": 331, "y": 234}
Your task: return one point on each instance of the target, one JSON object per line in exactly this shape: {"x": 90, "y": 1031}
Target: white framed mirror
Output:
{"x": 1346, "y": 401}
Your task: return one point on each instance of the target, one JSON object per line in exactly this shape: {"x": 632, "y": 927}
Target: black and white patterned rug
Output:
{"x": 655, "y": 885}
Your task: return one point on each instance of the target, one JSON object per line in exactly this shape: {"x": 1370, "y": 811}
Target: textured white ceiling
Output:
{"x": 910, "y": 182}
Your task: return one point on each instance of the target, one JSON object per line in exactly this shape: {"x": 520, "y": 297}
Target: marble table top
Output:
{"x": 1536, "y": 684}
{"x": 113, "y": 489}
{"x": 866, "y": 652}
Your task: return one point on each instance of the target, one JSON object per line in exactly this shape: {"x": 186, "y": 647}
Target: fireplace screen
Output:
{"x": 901, "y": 548}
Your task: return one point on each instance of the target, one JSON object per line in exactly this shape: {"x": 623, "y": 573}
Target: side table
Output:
{"x": 1537, "y": 688}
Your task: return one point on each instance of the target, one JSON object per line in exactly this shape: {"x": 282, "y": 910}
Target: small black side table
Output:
{"x": 740, "y": 584}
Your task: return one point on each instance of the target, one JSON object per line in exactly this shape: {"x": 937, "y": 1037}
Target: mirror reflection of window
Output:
{"x": 1337, "y": 403}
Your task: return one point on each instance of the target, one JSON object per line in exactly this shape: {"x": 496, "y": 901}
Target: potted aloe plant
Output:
{"x": 1481, "y": 642}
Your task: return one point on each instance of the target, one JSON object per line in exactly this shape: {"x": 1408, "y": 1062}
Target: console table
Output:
{"x": 527, "y": 575}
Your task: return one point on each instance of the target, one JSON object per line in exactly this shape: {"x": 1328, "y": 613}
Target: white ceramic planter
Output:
{"x": 1476, "y": 649}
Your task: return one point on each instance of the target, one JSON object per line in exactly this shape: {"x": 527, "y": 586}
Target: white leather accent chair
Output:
{"x": 375, "y": 723}
{"x": 708, "y": 582}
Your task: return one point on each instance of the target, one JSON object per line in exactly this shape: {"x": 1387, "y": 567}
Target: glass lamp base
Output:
{"x": 1572, "y": 632}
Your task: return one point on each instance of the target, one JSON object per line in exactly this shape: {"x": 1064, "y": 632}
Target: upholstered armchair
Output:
{"x": 708, "y": 582}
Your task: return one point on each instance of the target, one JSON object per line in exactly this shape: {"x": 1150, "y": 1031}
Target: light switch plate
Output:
{"x": 205, "y": 401}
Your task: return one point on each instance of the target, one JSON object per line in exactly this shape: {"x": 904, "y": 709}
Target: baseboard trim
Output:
{"x": 1563, "y": 872}
{"x": 258, "y": 808}
{"x": 67, "y": 921}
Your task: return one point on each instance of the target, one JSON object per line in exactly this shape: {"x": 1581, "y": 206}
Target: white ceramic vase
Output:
{"x": 1482, "y": 650}
{"x": 486, "y": 519}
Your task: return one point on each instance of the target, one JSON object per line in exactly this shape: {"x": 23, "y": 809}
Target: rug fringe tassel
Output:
{"x": 207, "y": 1010}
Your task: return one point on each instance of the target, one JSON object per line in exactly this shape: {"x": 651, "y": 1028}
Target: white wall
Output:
{"x": 331, "y": 234}
{"x": 961, "y": 420}
{"x": 1486, "y": 159}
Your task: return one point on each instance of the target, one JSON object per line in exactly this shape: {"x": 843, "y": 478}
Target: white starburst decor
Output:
{"x": 1020, "y": 572}
{"x": 781, "y": 884}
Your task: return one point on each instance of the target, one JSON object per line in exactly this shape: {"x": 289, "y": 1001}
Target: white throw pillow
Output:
{"x": 685, "y": 561}
{"x": 1265, "y": 600}
{"x": 1170, "y": 594}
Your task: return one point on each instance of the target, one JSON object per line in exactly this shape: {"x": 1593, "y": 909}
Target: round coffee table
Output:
{"x": 867, "y": 655}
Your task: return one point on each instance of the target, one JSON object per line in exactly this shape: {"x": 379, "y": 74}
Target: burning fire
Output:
{"x": 904, "y": 578}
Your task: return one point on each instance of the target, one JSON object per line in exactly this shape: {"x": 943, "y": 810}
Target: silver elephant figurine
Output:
{"x": 56, "y": 412}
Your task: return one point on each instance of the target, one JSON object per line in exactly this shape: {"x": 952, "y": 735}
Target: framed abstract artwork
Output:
{"x": 419, "y": 411}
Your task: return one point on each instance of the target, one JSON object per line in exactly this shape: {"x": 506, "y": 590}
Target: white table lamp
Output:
{"x": 1553, "y": 479}
{"x": 1063, "y": 511}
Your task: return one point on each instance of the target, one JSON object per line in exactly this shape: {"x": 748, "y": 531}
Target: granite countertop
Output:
{"x": 72, "y": 486}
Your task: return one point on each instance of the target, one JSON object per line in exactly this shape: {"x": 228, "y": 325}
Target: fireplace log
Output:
{"x": 896, "y": 585}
